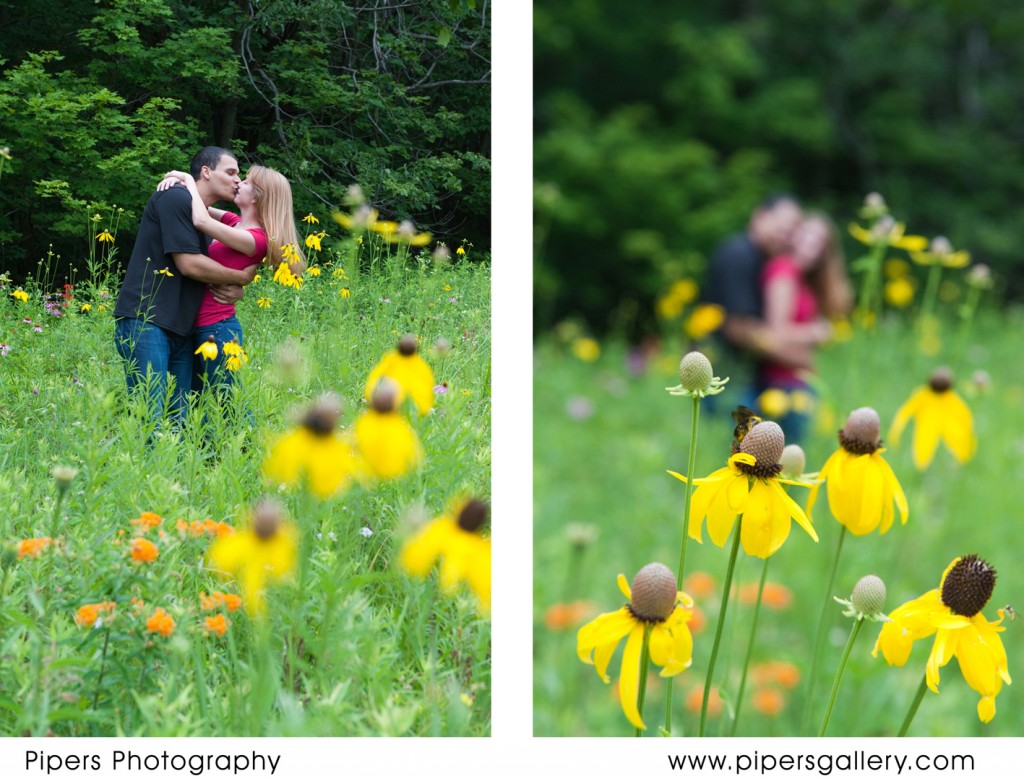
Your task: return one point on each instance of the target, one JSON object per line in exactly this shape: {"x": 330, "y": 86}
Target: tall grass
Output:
{"x": 350, "y": 645}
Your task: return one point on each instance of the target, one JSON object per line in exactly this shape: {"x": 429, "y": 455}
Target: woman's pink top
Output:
{"x": 783, "y": 267}
{"x": 209, "y": 310}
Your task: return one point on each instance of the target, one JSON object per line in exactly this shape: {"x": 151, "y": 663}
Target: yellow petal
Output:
{"x": 904, "y": 414}
{"x": 629, "y": 676}
{"x": 682, "y": 652}
{"x": 388, "y": 445}
{"x": 660, "y": 645}
{"x": 624, "y": 587}
{"x": 942, "y": 651}
{"x": 756, "y": 531}
{"x": 720, "y": 518}
{"x": 424, "y": 548}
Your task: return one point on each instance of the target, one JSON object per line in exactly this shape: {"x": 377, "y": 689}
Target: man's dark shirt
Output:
{"x": 734, "y": 277}
{"x": 170, "y": 302}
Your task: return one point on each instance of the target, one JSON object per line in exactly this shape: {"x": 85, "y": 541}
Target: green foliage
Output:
{"x": 604, "y": 438}
{"x": 330, "y": 93}
{"x": 831, "y": 101}
{"x": 351, "y": 645}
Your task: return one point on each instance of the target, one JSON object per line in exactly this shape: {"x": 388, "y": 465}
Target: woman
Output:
{"x": 803, "y": 290}
{"x": 264, "y": 226}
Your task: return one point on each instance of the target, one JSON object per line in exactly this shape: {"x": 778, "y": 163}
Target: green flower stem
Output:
{"x": 870, "y": 280}
{"x": 667, "y": 729}
{"x": 645, "y": 658}
{"x": 820, "y": 635}
{"x": 750, "y": 646}
{"x": 931, "y": 292}
{"x": 914, "y": 706}
{"x": 103, "y": 667}
{"x": 839, "y": 676}
{"x": 54, "y": 527}
{"x": 721, "y": 623}
{"x": 967, "y": 313}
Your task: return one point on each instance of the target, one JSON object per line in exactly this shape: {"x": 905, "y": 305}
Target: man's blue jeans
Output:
{"x": 151, "y": 354}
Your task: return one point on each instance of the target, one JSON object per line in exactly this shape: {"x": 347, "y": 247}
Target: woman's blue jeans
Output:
{"x": 206, "y": 372}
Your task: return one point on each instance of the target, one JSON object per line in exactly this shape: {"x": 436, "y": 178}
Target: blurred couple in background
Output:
{"x": 781, "y": 282}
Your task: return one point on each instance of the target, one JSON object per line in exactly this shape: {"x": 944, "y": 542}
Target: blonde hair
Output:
{"x": 274, "y": 211}
{"x": 828, "y": 278}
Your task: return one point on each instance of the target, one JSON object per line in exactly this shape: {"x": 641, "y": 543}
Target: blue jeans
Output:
{"x": 151, "y": 353}
{"x": 214, "y": 372}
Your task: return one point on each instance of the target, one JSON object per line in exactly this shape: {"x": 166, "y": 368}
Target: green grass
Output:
{"x": 607, "y": 470}
{"x": 351, "y": 645}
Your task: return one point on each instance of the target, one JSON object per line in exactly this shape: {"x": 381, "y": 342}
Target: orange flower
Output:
{"x": 769, "y": 702}
{"x": 784, "y": 674}
{"x": 566, "y": 616}
{"x": 695, "y": 698}
{"x": 88, "y": 615}
{"x": 231, "y": 601}
{"x": 33, "y": 547}
{"x": 699, "y": 585}
{"x": 775, "y": 595}
{"x": 697, "y": 623}
{"x": 147, "y": 521}
{"x": 144, "y": 550}
{"x": 217, "y": 624}
{"x": 160, "y": 623}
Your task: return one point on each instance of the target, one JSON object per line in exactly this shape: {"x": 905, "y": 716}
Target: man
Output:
{"x": 734, "y": 283}
{"x": 167, "y": 275}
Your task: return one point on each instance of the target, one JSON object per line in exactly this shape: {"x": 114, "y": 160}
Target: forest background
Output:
{"x": 657, "y": 134}
{"x": 98, "y": 100}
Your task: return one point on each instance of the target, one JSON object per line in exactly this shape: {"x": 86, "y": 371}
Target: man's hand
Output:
{"x": 227, "y": 294}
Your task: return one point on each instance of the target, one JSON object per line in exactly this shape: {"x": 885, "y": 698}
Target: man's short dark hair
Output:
{"x": 208, "y": 156}
{"x": 769, "y": 202}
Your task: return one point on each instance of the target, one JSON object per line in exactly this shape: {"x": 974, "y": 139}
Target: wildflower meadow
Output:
{"x": 308, "y": 554}
{"x": 697, "y": 575}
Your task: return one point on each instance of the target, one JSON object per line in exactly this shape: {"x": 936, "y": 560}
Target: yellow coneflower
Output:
{"x": 750, "y": 487}
{"x": 455, "y": 538}
{"x": 407, "y": 368}
{"x": 265, "y": 551}
{"x": 655, "y": 612}
{"x": 20, "y": 295}
{"x": 952, "y": 612}
{"x": 887, "y": 232}
{"x": 861, "y": 485}
{"x": 388, "y": 446}
{"x": 938, "y": 413}
{"x": 208, "y": 349}
{"x": 105, "y": 236}
{"x": 314, "y": 450}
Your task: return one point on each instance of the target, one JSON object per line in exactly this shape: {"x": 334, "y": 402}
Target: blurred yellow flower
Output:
{"x": 407, "y": 368}
{"x": 263, "y": 303}
{"x": 938, "y": 413}
{"x": 888, "y": 232}
{"x": 345, "y": 293}
{"x": 311, "y": 219}
{"x": 313, "y": 240}
{"x": 703, "y": 321}
{"x": 941, "y": 252}
{"x": 284, "y": 276}
{"x": 456, "y": 539}
{"x": 20, "y": 295}
{"x": 388, "y": 446}
{"x": 85, "y": 308}
{"x": 774, "y": 402}
{"x": 586, "y": 349}
{"x": 105, "y": 236}
{"x": 314, "y": 451}
{"x": 899, "y": 292}
{"x": 313, "y": 271}
{"x": 265, "y": 551}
